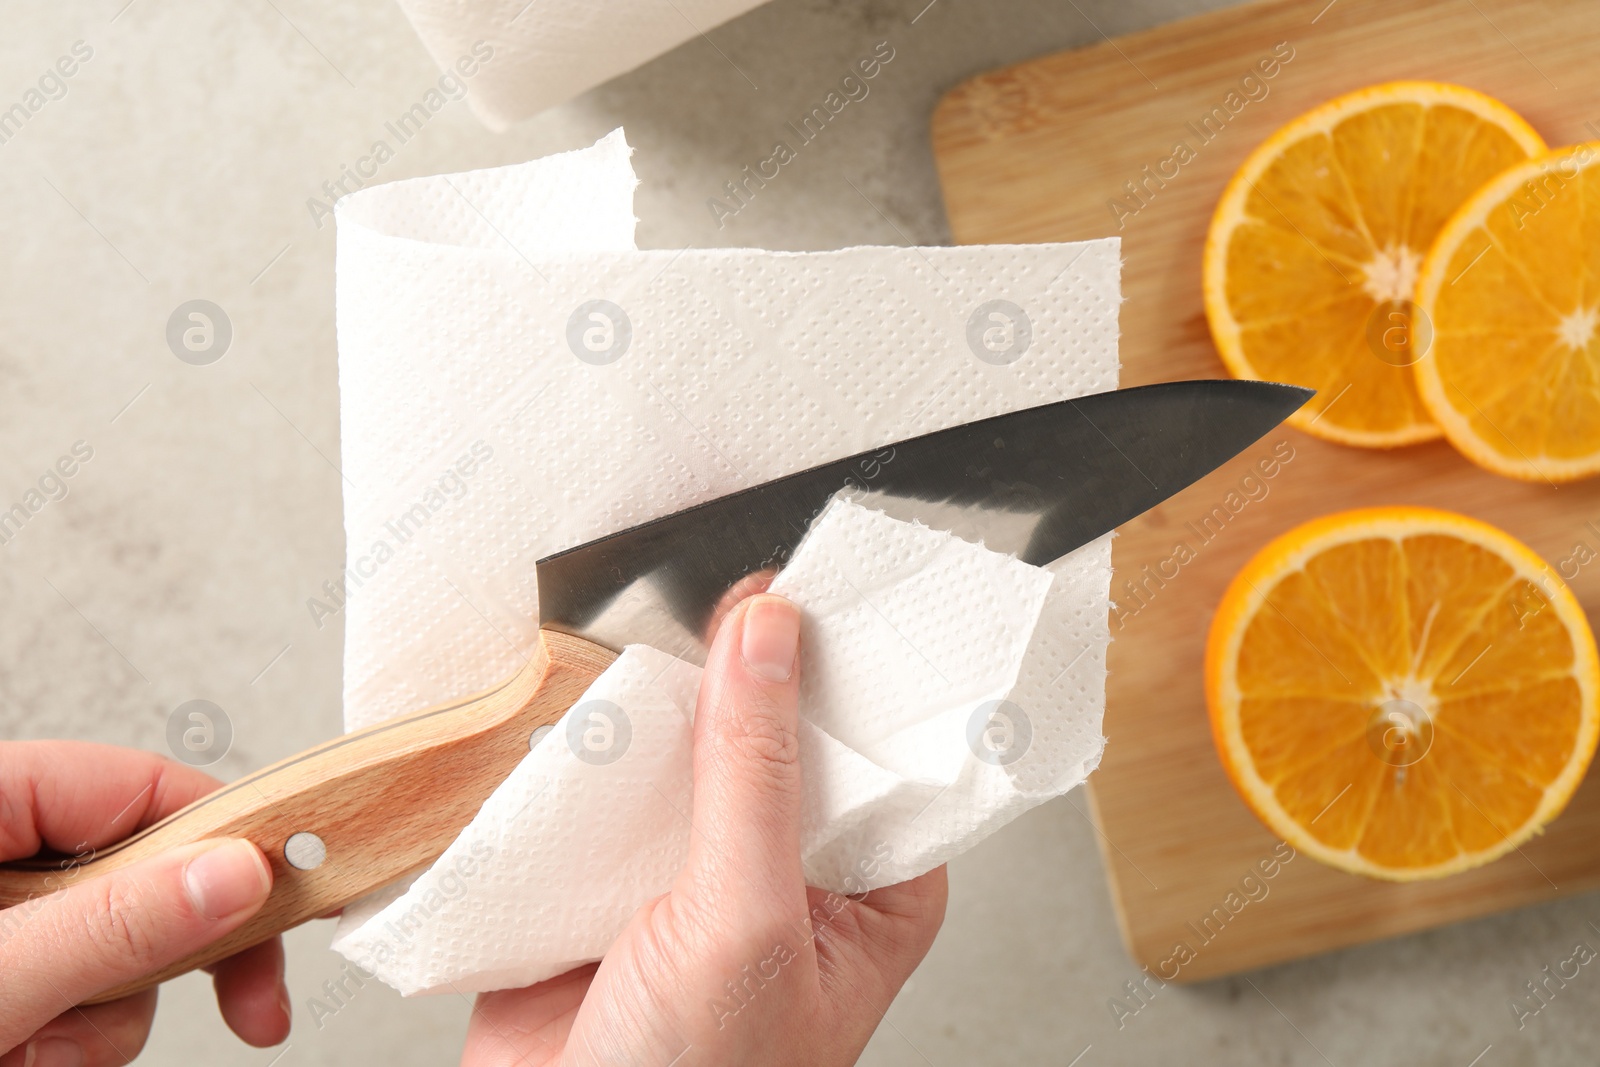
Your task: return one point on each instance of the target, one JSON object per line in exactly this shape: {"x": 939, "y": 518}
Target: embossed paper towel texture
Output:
{"x": 490, "y": 417}
{"x": 545, "y": 51}
{"x": 912, "y": 640}
{"x": 475, "y": 441}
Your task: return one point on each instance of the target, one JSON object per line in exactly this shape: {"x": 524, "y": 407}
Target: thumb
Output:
{"x": 63, "y": 948}
{"x": 745, "y": 853}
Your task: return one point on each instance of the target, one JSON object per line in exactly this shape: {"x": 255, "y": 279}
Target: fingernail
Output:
{"x": 226, "y": 879}
{"x": 288, "y": 1007}
{"x": 771, "y": 638}
{"x": 53, "y": 1052}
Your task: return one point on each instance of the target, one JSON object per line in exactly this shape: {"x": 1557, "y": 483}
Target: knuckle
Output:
{"x": 759, "y": 736}
{"x": 116, "y": 924}
{"x": 670, "y": 947}
{"x": 665, "y": 940}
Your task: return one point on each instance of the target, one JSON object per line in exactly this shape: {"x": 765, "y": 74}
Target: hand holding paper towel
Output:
{"x": 740, "y": 963}
{"x": 912, "y": 641}
{"x": 482, "y": 433}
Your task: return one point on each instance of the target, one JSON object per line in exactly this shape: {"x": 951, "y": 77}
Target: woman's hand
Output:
{"x": 740, "y": 963}
{"x": 63, "y": 948}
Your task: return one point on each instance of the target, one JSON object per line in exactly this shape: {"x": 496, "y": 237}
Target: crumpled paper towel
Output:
{"x": 904, "y": 755}
{"x": 516, "y": 378}
{"x": 542, "y": 52}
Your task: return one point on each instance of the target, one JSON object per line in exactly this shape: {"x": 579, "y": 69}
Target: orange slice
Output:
{"x": 1313, "y": 252}
{"x": 1511, "y": 287}
{"x": 1402, "y": 692}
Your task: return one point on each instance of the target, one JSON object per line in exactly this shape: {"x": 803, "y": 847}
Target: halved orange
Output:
{"x": 1312, "y": 255}
{"x": 1512, "y": 289}
{"x": 1402, "y": 692}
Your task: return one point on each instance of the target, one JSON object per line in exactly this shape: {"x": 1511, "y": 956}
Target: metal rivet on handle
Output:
{"x": 305, "y": 851}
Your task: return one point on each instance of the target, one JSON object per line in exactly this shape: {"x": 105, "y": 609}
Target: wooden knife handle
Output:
{"x": 383, "y": 801}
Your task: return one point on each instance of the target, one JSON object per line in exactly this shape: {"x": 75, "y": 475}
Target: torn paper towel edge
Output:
{"x": 538, "y": 849}
{"x": 595, "y": 186}
{"x": 520, "y": 57}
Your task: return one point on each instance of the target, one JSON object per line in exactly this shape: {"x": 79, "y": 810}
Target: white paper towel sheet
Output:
{"x": 516, "y": 378}
{"x": 546, "y": 51}
{"x": 912, "y": 640}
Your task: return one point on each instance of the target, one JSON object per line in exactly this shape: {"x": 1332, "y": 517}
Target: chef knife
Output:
{"x": 350, "y": 816}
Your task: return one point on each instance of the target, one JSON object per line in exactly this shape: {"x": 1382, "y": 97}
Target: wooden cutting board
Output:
{"x": 1040, "y": 152}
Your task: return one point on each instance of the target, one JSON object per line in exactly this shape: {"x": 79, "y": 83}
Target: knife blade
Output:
{"x": 1038, "y": 482}
{"x": 374, "y": 805}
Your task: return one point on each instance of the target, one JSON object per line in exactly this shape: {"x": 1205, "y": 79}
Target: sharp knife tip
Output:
{"x": 1300, "y": 393}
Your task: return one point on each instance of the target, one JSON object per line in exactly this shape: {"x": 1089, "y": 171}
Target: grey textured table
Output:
{"x": 178, "y": 165}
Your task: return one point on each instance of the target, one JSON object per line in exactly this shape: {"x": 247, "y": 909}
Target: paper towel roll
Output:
{"x": 516, "y": 379}
{"x": 541, "y": 52}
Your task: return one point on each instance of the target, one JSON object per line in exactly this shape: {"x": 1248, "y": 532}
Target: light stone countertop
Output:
{"x": 178, "y": 165}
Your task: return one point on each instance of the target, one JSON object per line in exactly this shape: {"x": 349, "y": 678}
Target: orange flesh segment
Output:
{"x": 1430, "y": 617}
